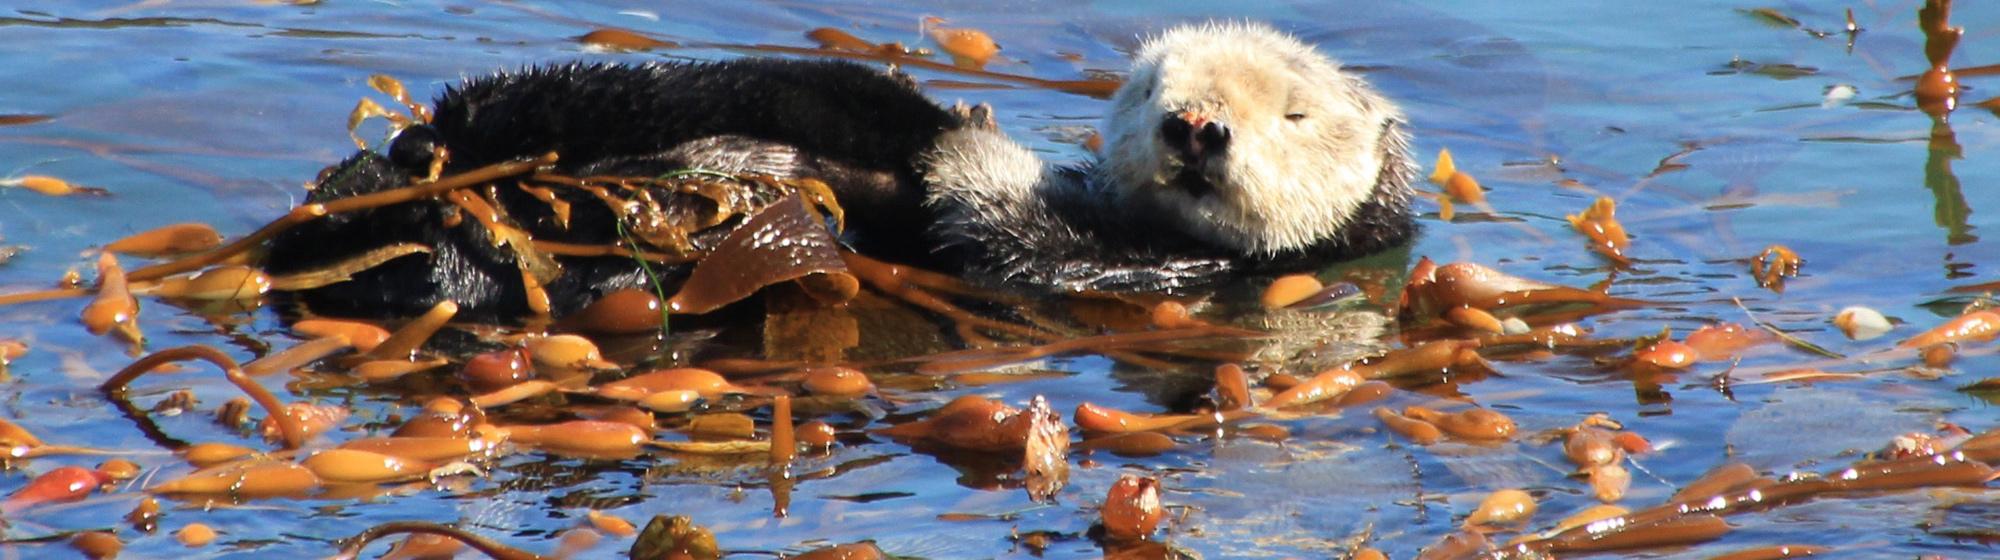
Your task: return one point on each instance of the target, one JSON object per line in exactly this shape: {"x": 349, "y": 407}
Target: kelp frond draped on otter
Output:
{"x": 1233, "y": 149}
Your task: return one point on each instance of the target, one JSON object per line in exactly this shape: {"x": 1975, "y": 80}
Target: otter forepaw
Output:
{"x": 975, "y": 116}
{"x": 895, "y": 72}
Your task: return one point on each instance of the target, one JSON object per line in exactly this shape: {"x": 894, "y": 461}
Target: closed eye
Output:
{"x": 1295, "y": 117}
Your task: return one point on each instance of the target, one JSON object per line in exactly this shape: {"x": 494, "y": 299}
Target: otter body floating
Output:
{"x": 1232, "y": 149}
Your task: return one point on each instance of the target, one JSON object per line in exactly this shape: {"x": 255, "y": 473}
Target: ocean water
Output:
{"x": 1719, "y": 131}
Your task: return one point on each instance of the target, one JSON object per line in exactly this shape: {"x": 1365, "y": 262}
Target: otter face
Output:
{"x": 1248, "y": 136}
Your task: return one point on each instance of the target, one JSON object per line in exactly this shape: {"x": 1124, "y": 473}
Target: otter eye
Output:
{"x": 1295, "y": 117}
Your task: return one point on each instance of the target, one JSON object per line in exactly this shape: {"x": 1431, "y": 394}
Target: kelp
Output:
{"x": 785, "y": 242}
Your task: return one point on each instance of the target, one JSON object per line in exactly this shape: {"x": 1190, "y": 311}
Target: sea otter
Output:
{"x": 1232, "y": 148}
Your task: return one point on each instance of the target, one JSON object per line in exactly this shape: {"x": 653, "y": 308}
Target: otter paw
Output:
{"x": 895, "y": 72}
{"x": 975, "y": 116}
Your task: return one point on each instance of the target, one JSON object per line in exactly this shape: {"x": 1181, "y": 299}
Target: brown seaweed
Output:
{"x": 784, "y": 242}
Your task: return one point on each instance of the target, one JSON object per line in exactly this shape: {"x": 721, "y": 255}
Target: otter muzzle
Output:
{"x": 1194, "y": 136}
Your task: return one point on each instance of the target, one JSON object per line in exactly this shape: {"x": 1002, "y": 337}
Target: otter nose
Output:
{"x": 1194, "y": 136}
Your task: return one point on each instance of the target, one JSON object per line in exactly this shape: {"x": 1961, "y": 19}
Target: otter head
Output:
{"x": 1249, "y": 137}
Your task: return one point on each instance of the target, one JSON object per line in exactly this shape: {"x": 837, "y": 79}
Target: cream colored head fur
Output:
{"x": 1306, "y": 146}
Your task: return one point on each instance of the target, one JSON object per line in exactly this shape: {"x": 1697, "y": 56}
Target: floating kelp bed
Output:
{"x": 531, "y": 390}
{"x": 759, "y": 399}
{"x": 782, "y": 247}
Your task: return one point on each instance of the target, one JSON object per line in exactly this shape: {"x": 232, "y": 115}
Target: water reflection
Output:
{"x": 1951, "y": 213}
{"x": 1937, "y": 95}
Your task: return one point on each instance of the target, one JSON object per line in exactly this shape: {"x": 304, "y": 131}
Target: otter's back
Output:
{"x": 840, "y": 110}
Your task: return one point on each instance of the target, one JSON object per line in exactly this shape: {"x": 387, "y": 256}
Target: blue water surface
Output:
{"x": 1710, "y": 126}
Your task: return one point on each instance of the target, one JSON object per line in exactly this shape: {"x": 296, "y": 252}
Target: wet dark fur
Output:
{"x": 858, "y": 118}
{"x": 855, "y": 127}
{"x": 858, "y": 128}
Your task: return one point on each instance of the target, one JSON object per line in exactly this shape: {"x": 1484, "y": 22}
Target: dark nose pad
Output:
{"x": 1213, "y": 138}
{"x": 1177, "y": 133}
{"x": 1191, "y": 142}
{"x": 413, "y": 148}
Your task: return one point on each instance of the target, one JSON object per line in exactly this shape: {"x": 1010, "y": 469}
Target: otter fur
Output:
{"x": 1233, "y": 149}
